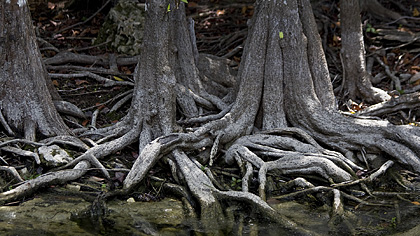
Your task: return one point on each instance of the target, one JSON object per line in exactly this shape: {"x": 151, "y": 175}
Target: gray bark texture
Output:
{"x": 282, "y": 120}
{"x": 25, "y": 102}
{"x": 285, "y": 92}
{"x": 356, "y": 83}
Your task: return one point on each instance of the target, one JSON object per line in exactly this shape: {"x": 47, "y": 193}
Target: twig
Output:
{"x": 394, "y": 78}
{"x": 94, "y": 118}
{"x": 107, "y": 82}
{"x": 49, "y": 45}
{"x": 402, "y": 18}
{"x": 373, "y": 176}
{"x": 127, "y": 93}
{"x": 233, "y": 52}
{"x": 84, "y": 69}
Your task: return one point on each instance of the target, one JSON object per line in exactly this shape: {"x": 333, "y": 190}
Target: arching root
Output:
{"x": 211, "y": 212}
{"x": 289, "y": 156}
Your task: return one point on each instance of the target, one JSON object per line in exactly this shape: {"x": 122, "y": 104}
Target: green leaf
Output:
{"x": 184, "y": 1}
{"x": 281, "y": 35}
{"x": 169, "y": 8}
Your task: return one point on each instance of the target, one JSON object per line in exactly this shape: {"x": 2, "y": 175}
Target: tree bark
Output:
{"x": 25, "y": 101}
{"x": 356, "y": 81}
{"x": 306, "y": 99}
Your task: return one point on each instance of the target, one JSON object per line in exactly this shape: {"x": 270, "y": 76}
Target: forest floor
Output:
{"x": 221, "y": 28}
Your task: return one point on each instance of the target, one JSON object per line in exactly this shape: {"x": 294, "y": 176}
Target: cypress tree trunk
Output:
{"x": 356, "y": 82}
{"x": 25, "y": 102}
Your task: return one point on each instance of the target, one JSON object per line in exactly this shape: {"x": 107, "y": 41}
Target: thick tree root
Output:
{"x": 202, "y": 188}
{"x": 294, "y": 157}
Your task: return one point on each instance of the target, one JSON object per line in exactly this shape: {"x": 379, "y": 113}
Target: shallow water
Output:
{"x": 52, "y": 214}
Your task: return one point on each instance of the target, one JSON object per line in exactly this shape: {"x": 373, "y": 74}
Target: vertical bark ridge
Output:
{"x": 24, "y": 96}
{"x": 305, "y": 110}
{"x": 153, "y": 103}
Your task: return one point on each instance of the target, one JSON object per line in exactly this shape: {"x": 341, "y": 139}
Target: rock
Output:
{"x": 131, "y": 200}
{"x": 54, "y": 155}
{"x": 123, "y": 27}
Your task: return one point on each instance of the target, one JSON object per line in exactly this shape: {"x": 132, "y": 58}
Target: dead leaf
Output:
{"x": 126, "y": 70}
{"x": 243, "y": 11}
{"x": 416, "y": 12}
{"x": 192, "y": 4}
{"x": 118, "y": 78}
{"x": 51, "y": 5}
{"x": 96, "y": 179}
{"x": 59, "y": 16}
{"x": 80, "y": 81}
{"x": 94, "y": 31}
{"x": 85, "y": 122}
{"x": 55, "y": 83}
{"x": 416, "y": 203}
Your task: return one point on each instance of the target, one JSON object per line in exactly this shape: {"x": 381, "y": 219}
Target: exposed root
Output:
{"x": 201, "y": 187}
{"x": 13, "y": 172}
{"x": 284, "y": 151}
{"x": 122, "y": 101}
{"x": 337, "y": 208}
{"x": 205, "y": 119}
{"x": 65, "y": 140}
{"x": 371, "y": 177}
{"x": 6, "y": 126}
{"x": 22, "y": 152}
{"x": 406, "y": 101}
{"x": 28, "y": 187}
{"x": 106, "y": 82}
{"x": 107, "y": 148}
{"x": 68, "y": 109}
{"x": 294, "y": 157}
{"x": 206, "y": 193}
{"x": 153, "y": 151}
{"x": 263, "y": 208}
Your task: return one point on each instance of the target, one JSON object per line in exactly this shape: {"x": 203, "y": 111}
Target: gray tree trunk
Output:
{"x": 25, "y": 102}
{"x": 303, "y": 96}
{"x": 356, "y": 82}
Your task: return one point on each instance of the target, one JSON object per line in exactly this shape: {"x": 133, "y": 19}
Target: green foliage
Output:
{"x": 32, "y": 176}
{"x": 168, "y": 9}
{"x": 236, "y": 184}
{"x": 393, "y": 222}
{"x": 281, "y": 35}
{"x": 369, "y": 28}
